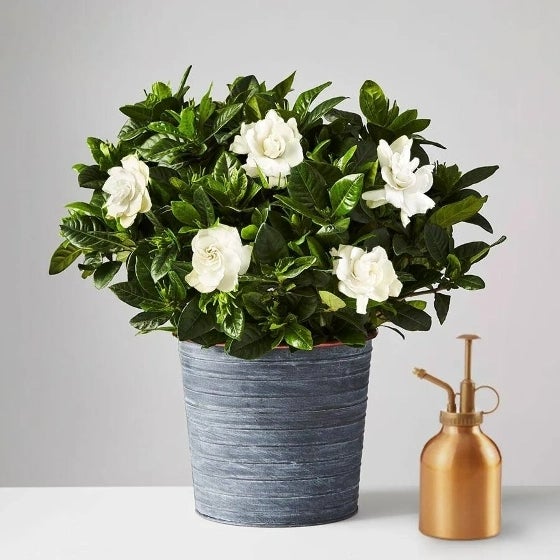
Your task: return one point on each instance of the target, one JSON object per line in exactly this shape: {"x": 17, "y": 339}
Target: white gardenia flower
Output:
{"x": 272, "y": 145}
{"x": 218, "y": 259}
{"x": 365, "y": 275}
{"x": 128, "y": 192}
{"x": 405, "y": 185}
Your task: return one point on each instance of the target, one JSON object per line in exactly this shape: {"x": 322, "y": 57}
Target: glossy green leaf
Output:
{"x": 149, "y": 320}
{"x": 105, "y": 273}
{"x": 63, "y": 257}
{"x": 307, "y": 186}
{"x": 269, "y": 246}
{"x": 304, "y": 100}
{"x": 254, "y": 342}
{"x": 185, "y": 212}
{"x": 437, "y": 242}
{"x": 298, "y": 336}
{"x": 476, "y": 176}
{"x": 346, "y": 193}
{"x": 333, "y": 302}
{"x": 457, "y": 211}
{"x": 373, "y": 103}
{"x": 132, "y": 294}
{"x": 409, "y": 318}
{"x": 193, "y": 322}
{"x": 470, "y": 282}
{"x": 441, "y": 305}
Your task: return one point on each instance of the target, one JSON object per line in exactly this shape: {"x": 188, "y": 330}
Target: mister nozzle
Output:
{"x": 423, "y": 374}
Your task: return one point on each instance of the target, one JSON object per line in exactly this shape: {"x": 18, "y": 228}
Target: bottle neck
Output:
{"x": 460, "y": 429}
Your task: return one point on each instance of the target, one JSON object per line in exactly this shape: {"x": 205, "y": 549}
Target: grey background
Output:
{"x": 85, "y": 402}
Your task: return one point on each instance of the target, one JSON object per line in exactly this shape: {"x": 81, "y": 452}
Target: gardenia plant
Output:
{"x": 256, "y": 222}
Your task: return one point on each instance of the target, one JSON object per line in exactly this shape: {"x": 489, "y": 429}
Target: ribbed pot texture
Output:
{"x": 276, "y": 441}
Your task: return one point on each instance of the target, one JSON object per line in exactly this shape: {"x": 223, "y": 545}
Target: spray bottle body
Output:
{"x": 460, "y": 484}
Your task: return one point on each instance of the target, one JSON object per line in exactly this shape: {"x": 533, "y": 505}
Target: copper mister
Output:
{"x": 460, "y": 467}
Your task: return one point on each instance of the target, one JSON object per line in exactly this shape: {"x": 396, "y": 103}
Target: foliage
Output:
{"x": 289, "y": 294}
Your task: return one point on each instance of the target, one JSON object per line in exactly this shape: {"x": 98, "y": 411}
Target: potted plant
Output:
{"x": 273, "y": 239}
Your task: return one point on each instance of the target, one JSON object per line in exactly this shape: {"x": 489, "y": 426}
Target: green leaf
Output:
{"x": 410, "y": 318}
{"x": 373, "y": 103}
{"x": 351, "y": 336}
{"x": 89, "y": 233}
{"x": 342, "y": 162}
{"x": 85, "y": 208}
{"x": 161, "y": 90}
{"x": 142, "y": 266}
{"x": 470, "y": 282}
{"x": 304, "y": 210}
{"x": 226, "y": 115}
{"x": 185, "y": 212}
{"x": 480, "y": 221}
{"x": 233, "y": 323}
{"x": 298, "y": 336}
{"x": 281, "y": 89}
{"x": 149, "y": 320}
{"x": 91, "y": 177}
{"x": 307, "y": 186}
{"x": 132, "y": 294}
{"x": 318, "y": 251}
{"x": 163, "y": 261}
{"x": 253, "y": 303}
{"x": 270, "y": 245}
{"x": 204, "y": 206}
{"x": 248, "y": 233}
{"x": 322, "y": 109}
{"x": 404, "y": 119}
{"x": 441, "y": 305}
{"x": 454, "y": 268}
{"x": 476, "y": 176}
{"x": 63, "y": 257}
{"x": 472, "y": 252}
{"x": 186, "y": 124}
{"x": 304, "y": 100}
{"x": 138, "y": 112}
{"x": 205, "y": 109}
{"x": 254, "y": 342}
{"x": 346, "y": 193}
{"x": 457, "y": 211}
{"x": 296, "y": 267}
{"x": 333, "y": 303}
{"x": 437, "y": 242}
{"x": 105, "y": 273}
{"x": 193, "y": 322}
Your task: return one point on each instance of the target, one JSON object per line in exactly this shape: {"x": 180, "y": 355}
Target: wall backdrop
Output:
{"x": 83, "y": 401}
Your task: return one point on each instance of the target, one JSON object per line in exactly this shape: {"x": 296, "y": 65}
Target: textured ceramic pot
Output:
{"x": 276, "y": 441}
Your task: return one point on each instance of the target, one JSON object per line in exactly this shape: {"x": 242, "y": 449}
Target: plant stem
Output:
{"x": 424, "y": 292}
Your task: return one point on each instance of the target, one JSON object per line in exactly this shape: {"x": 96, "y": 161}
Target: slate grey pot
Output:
{"x": 276, "y": 441}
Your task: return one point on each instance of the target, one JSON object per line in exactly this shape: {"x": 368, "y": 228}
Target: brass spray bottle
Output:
{"x": 460, "y": 467}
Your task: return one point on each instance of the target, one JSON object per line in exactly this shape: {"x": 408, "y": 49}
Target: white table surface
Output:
{"x": 159, "y": 523}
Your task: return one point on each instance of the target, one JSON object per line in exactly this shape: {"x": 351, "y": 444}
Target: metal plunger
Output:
{"x": 468, "y": 387}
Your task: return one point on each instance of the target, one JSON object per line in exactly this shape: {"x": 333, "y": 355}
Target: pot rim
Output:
{"x": 329, "y": 344}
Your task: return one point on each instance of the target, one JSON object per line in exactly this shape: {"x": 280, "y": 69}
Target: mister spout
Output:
{"x": 423, "y": 374}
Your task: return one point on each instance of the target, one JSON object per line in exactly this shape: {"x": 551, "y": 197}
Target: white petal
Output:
{"x": 388, "y": 177}
{"x": 239, "y": 145}
{"x": 395, "y": 287}
{"x": 146, "y": 201}
{"x": 245, "y": 258}
{"x": 403, "y": 144}
{"x": 384, "y": 153}
{"x": 127, "y": 221}
{"x": 361, "y": 304}
{"x": 293, "y": 154}
{"x": 375, "y": 198}
{"x": 394, "y": 197}
{"x": 404, "y": 218}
